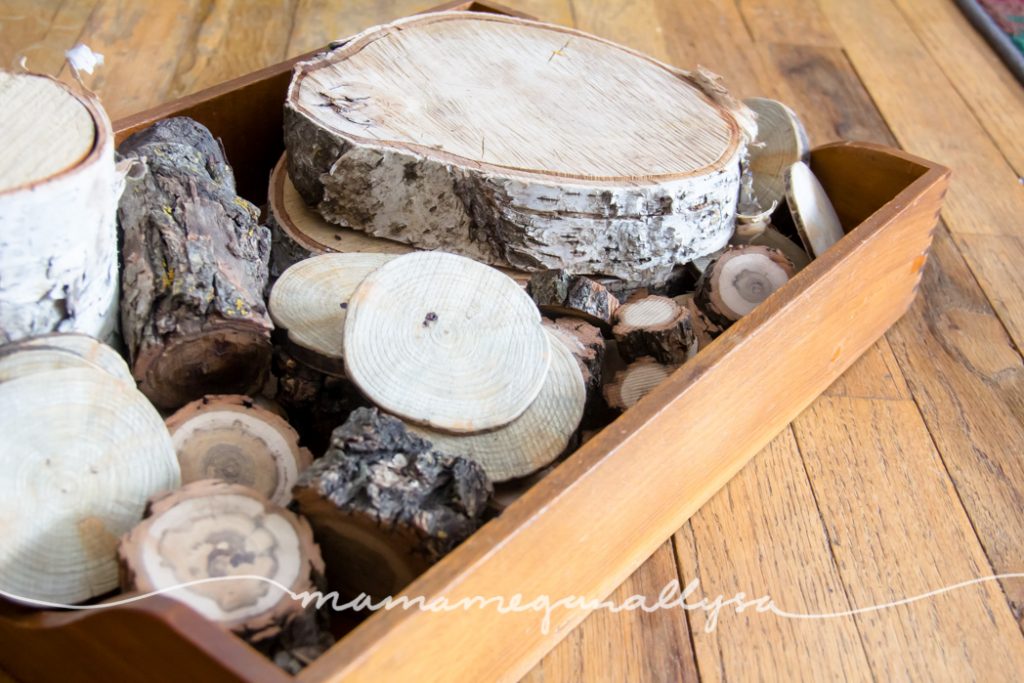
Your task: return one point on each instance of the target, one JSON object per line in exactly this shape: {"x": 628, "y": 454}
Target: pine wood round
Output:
{"x": 80, "y": 455}
{"x": 446, "y": 342}
{"x": 88, "y": 348}
{"x": 518, "y": 143}
{"x": 534, "y": 439}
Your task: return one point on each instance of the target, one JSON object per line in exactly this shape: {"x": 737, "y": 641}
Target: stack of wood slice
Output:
{"x": 385, "y": 505}
{"x": 500, "y": 167}
{"x": 82, "y": 451}
{"x": 231, "y": 438}
{"x": 195, "y": 268}
{"x": 58, "y": 211}
{"x": 194, "y": 541}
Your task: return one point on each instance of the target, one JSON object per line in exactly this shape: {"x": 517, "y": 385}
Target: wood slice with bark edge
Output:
{"x": 385, "y": 505}
{"x": 773, "y": 238}
{"x": 637, "y": 380}
{"x": 309, "y": 303}
{"x": 81, "y": 453}
{"x": 443, "y": 341}
{"x": 195, "y": 268}
{"x": 704, "y": 330}
{"x": 230, "y": 438}
{"x": 86, "y": 347}
{"x": 739, "y": 280}
{"x": 513, "y": 178}
{"x": 557, "y": 293}
{"x": 211, "y": 529}
{"x": 534, "y": 439}
{"x": 781, "y": 141}
{"x": 585, "y": 343}
{"x": 813, "y": 214}
{"x": 655, "y": 326}
{"x": 58, "y": 211}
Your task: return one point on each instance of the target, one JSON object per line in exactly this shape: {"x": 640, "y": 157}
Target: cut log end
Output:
{"x": 739, "y": 280}
{"x": 637, "y": 380}
{"x": 655, "y": 326}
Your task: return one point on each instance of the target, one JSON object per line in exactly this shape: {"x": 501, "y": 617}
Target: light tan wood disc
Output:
{"x": 646, "y": 312}
{"x": 534, "y": 439}
{"x": 81, "y": 453}
{"x": 88, "y": 348}
{"x": 636, "y": 381}
{"x": 816, "y": 220}
{"x": 446, "y": 342}
{"x": 781, "y": 141}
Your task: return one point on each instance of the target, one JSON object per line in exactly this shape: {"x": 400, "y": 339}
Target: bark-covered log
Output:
{"x": 385, "y": 504}
{"x": 557, "y": 293}
{"x": 637, "y": 380}
{"x": 531, "y": 162}
{"x": 655, "y": 326}
{"x": 704, "y": 330}
{"x": 195, "y": 268}
{"x": 58, "y": 211}
{"x": 740, "y": 279}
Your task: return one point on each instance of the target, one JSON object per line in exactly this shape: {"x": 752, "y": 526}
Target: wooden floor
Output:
{"x": 907, "y": 476}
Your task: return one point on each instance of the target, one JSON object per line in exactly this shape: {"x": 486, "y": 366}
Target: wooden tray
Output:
{"x": 585, "y": 527}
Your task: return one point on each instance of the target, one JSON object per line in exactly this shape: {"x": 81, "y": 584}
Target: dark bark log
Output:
{"x": 559, "y": 293}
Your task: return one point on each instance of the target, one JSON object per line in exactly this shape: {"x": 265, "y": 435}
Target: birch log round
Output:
{"x": 446, "y": 342}
{"x": 58, "y": 211}
{"x": 195, "y": 267}
{"x": 535, "y": 438}
{"x": 210, "y": 529}
{"x": 80, "y": 454}
{"x": 517, "y": 143}
{"x": 232, "y": 439}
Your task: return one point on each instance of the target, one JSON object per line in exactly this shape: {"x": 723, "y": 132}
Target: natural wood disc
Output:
{"x": 310, "y": 301}
{"x": 535, "y": 438}
{"x": 232, "y": 439}
{"x": 637, "y": 380}
{"x": 89, "y": 349}
{"x": 80, "y": 454}
{"x": 655, "y": 326}
{"x": 210, "y": 529}
{"x": 816, "y": 220}
{"x": 446, "y": 342}
{"x": 781, "y": 141}
{"x": 740, "y": 279}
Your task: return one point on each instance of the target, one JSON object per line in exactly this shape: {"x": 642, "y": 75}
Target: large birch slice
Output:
{"x": 80, "y": 454}
{"x": 739, "y": 280}
{"x": 385, "y": 505}
{"x": 310, "y": 301}
{"x": 212, "y": 530}
{"x": 655, "y": 326}
{"x": 446, "y": 342}
{"x": 232, "y": 439}
{"x": 634, "y": 382}
{"x": 195, "y": 267}
{"x": 781, "y": 141}
{"x": 58, "y": 211}
{"x": 535, "y": 438}
{"x": 517, "y": 143}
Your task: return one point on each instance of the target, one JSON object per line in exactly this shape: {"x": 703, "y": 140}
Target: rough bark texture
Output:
{"x": 557, "y": 292}
{"x": 195, "y": 268}
{"x": 704, "y": 330}
{"x": 669, "y": 339}
{"x": 385, "y": 505}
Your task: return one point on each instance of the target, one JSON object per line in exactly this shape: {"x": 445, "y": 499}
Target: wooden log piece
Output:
{"x": 634, "y": 382}
{"x": 740, "y": 279}
{"x": 446, "y": 342}
{"x": 655, "y": 326}
{"x": 309, "y": 303}
{"x": 231, "y": 438}
{"x": 501, "y": 167}
{"x": 704, "y": 330}
{"x": 585, "y": 343}
{"x": 211, "y": 529}
{"x": 534, "y": 439}
{"x": 557, "y": 293}
{"x": 58, "y": 211}
{"x": 195, "y": 267}
{"x": 80, "y": 454}
{"x": 385, "y": 505}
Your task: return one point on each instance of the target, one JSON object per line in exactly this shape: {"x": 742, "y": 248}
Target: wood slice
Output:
{"x": 517, "y": 143}
{"x": 781, "y": 141}
{"x": 310, "y": 301}
{"x": 773, "y": 238}
{"x": 384, "y": 505}
{"x": 81, "y": 453}
{"x": 446, "y": 342}
{"x": 739, "y": 280}
{"x": 813, "y": 214}
{"x": 585, "y": 343}
{"x": 560, "y": 293}
{"x": 210, "y": 529}
{"x": 655, "y": 326}
{"x": 232, "y": 439}
{"x": 195, "y": 268}
{"x": 88, "y": 348}
{"x": 637, "y": 380}
{"x": 534, "y": 439}
{"x": 58, "y": 204}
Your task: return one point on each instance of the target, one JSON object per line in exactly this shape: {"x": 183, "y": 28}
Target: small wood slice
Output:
{"x": 560, "y": 293}
{"x": 781, "y": 141}
{"x": 385, "y": 505}
{"x": 739, "y": 280}
{"x": 655, "y": 326}
{"x": 211, "y": 529}
{"x": 636, "y": 381}
{"x": 232, "y": 439}
{"x": 88, "y": 348}
{"x": 704, "y": 330}
{"x": 773, "y": 238}
{"x": 445, "y": 342}
{"x": 81, "y": 452}
{"x": 534, "y": 439}
{"x": 310, "y": 302}
{"x": 813, "y": 214}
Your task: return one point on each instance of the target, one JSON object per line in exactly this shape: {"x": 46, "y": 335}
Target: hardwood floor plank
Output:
{"x": 40, "y": 32}
{"x": 790, "y": 22}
